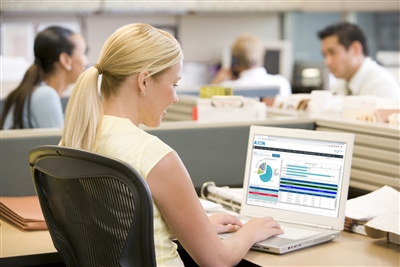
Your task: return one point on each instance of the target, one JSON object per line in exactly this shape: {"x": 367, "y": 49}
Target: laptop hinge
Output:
{"x": 306, "y": 224}
{"x": 325, "y": 227}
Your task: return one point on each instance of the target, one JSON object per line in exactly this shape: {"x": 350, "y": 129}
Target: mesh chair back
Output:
{"x": 98, "y": 210}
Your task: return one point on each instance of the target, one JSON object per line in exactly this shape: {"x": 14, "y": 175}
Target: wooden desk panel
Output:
{"x": 349, "y": 249}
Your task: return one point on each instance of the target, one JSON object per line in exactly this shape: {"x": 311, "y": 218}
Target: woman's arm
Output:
{"x": 174, "y": 194}
{"x": 222, "y": 75}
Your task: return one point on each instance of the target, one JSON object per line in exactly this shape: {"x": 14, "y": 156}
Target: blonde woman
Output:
{"x": 140, "y": 67}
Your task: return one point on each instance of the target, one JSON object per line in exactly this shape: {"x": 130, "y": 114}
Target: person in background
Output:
{"x": 345, "y": 50}
{"x": 140, "y": 67}
{"x": 60, "y": 57}
{"x": 247, "y": 67}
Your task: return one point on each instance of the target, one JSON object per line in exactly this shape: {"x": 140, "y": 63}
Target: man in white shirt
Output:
{"x": 247, "y": 67}
{"x": 344, "y": 48}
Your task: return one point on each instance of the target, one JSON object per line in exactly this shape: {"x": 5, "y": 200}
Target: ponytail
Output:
{"x": 33, "y": 76}
{"x": 83, "y": 114}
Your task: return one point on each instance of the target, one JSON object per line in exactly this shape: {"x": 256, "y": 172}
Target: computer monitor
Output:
{"x": 278, "y": 57}
{"x": 309, "y": 76}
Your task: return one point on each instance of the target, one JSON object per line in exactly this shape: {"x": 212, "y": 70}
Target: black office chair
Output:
{"x": 98, "y": 209}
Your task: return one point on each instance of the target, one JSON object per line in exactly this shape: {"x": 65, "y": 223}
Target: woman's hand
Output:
{"x": 225, "y": 223}
{"x": 263, "y": 228}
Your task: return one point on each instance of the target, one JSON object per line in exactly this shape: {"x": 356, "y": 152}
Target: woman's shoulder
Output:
{"x": 113, "y": 124}
{"x": 117, "y": 126}
{"x": 46, "y": 98}
{"x": 44, "y": 91}
{"x": 121, "y": 138}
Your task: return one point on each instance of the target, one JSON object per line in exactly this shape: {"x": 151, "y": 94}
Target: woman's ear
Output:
{"x": 65, "y": 61}
{"x": 142, "y": 79}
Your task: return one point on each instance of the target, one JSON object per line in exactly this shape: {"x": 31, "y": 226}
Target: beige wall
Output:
{"x": 201, "y": 35}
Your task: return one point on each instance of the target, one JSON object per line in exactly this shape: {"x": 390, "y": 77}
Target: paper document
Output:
{"x": 369, "y": 206}
{"x": 385, "y": 225}
{"x": 388, "y": 222}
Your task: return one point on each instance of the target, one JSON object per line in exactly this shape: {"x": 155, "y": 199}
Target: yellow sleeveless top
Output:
{"x": 120, "y": 138}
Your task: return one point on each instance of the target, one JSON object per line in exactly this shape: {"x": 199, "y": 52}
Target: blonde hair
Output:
{"x": 248, "y": 51}
{"x": 130, "y": 50}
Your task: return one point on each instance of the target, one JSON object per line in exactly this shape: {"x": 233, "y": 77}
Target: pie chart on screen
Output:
{"x": 265, "y": 172}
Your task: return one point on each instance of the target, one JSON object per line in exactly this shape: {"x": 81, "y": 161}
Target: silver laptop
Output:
{"x": 301, "y": 179}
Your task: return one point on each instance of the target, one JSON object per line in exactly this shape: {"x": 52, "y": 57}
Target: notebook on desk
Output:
{"x": 301, "y": 179}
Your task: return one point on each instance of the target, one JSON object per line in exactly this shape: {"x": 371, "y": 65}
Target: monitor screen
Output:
{"x": 272, "y": 62}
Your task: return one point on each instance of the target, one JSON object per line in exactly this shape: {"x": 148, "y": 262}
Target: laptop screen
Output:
{"x": 295, "y": 174}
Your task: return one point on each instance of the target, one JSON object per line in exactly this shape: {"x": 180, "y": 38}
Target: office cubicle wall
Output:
{"x": 245, "y": 91}
{"x": 211, "y": 152}
{"x": 183, "y": 110}
{"x": 15, "y": 178}
{"x": 376, "y": 156}
{"x": 217, "y": 153}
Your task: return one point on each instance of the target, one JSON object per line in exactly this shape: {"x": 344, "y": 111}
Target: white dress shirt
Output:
{"x": 260, "y": 77}
{"x": 369, "y": 79}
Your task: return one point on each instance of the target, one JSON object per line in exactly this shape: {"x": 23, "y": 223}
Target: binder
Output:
{"x": 230, "y": 198}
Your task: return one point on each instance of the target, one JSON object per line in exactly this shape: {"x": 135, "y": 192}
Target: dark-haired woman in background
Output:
{"x": 60, "y": 57}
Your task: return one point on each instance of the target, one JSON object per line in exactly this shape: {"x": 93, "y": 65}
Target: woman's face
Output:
{"x": 79, "y": 58}
{"x": 160, "y": 95}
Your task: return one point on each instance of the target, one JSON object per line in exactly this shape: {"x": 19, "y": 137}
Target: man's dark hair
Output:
{"x": 347, "y": 33}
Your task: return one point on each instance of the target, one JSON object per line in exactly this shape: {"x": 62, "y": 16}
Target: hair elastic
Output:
{"x": 99, "y": 69}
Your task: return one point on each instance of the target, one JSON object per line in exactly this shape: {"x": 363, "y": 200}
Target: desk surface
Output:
{"x": 25, "y": 248}
{"x": 15, "y": 242}
{"x": 348, "y": 250}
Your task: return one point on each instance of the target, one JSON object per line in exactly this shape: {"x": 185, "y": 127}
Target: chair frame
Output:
{"x": 57, "y": 161}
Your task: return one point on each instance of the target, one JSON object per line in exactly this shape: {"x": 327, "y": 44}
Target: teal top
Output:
{"x": 45, "y": 110}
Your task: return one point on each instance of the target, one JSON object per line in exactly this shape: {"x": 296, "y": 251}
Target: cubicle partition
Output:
{"x": 217, "y": 152}
{"x": 15, "y": 178}
{"x": 245, "y": 91}
{"x": 376, "y": 156}
{"x": 182, "y": 111}
{"x": 210, "y": 152}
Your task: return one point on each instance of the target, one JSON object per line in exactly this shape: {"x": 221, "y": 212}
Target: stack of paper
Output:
{"x": 362, "y": 209}
{"x": 23, "y": 212}
{"x": 385, "y": 225}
